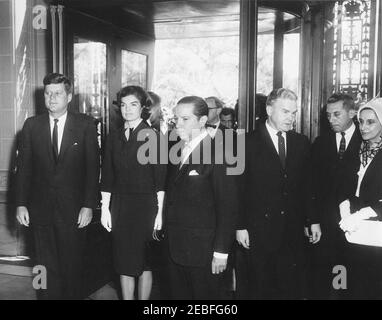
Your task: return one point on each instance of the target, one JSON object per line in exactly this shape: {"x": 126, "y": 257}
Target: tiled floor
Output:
{"x": 16, "y": 284}
{"x": 16, "y": 288}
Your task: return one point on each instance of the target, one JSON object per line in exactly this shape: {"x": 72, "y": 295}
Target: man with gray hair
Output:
{"x": 215, "y": 107}
{"x": 276, "y": 197}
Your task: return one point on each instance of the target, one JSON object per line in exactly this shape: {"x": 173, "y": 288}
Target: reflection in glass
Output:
{"x": 90, "y": 82}
{"x": 134, "y": 69}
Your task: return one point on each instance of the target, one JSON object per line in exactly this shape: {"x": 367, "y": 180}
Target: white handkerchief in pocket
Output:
{"x": 193, "y": 173}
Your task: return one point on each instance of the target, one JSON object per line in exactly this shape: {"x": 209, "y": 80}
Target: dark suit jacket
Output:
{"x": 44, "y": 187}
{"x": 201, "y": 210}
{"x": 276, "y": 202}
{"x": 371, "y": 189}
{"x": 334, "y": 180}
{"x": 122, "y": 172}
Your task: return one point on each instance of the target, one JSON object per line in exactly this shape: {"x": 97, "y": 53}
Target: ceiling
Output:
{"x": 163, "y": 19}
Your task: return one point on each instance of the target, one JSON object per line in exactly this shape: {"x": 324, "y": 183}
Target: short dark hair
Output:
{"x": 348, "y": 100}
{"x": 135, "y": 91}
{"x": 200, "y": 105}
{"x": 218, "y": 103}
{"x": 57, "y": 78}
{"x": 280, "y": 93}
{"x": 228, "y": 112}
{"x": 154, "y": 98}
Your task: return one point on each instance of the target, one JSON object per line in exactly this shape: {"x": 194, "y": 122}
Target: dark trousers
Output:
{"x": 276, "y": 274}
{"x": 330, "y": 252}
{"x": 364, "y": 273}
{"x": 60, "y": 249}
{"x": 193, "y": 283}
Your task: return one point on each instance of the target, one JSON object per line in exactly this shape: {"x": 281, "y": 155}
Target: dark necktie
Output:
{"x": 128, "y": 133}
{"x": 55, "y": 140}
{"x": 342, "y": 149}
{"x": 282, "y": 154}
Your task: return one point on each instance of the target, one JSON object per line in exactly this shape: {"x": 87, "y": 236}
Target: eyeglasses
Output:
{"x": 214, "y": 108}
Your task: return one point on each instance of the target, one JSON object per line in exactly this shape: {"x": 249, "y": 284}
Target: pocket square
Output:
{"x": 193, "y": 173}
{"x": 75, "y": 144}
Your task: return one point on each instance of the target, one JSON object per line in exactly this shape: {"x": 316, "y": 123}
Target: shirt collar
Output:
{"x": 133, "y": 124}
{"x": 273, "y": 131}
{"x": 349, "y": 131}
{"x": 61, "y": 119}
{"x": 217, "y": 124}
{"x": 195, "y": 141}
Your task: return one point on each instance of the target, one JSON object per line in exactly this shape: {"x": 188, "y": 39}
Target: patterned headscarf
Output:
{"x": 367, "y": 151}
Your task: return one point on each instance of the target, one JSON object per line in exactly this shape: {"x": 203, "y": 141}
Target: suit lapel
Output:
{"x": 354, "y": 143}
{"x": 185, "y": 167}
{"x": 47, "y": 137}
{"x": 290, "y": 150}
{"x": 270, "y": 146}
{"x": 333, "y": 144}
{"x": 68, "y": 136}
{"x": 370, "y": 172}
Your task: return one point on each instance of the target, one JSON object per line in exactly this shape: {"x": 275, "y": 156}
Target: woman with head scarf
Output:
{"x": 366, "y": 204}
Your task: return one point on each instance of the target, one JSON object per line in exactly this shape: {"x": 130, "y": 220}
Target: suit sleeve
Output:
{"x": 107, "y": 173}
{"x": 24, "y": 165}
{"x": 226, "y": 199}
{"x": 160, "y": 170}
{"x": 92, "y": 166}
{"x": 308, "y": 189}
{"x": 315, "y": 179}
{"x": 244, "y": 191}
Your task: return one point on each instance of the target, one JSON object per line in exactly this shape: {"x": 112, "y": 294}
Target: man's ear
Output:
{"x": 70, "y": 97}
{"x": 203, "y": 121}
{"x": 352, "y": 113}
{"x": 269, "y": 110}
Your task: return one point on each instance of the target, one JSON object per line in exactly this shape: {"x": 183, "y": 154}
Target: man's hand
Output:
{"x": 106, "y": 218}
{"x": 242, "y": 237}
{"x": 218, "y": 265}
{"x": 22, "y": 216}
{"x": 316, "y": 233}
{"x": 85, "y": 217}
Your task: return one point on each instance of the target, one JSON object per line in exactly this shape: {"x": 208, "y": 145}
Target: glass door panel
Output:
{"x": 90, "y": 82}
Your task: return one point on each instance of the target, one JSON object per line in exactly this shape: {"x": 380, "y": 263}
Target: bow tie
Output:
{"x": 211, "y": 125}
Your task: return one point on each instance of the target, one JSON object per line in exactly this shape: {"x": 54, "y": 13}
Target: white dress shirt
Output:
{"x": 212, "y": 131}
{"x": 348, "y": 135}
{"x": 275, "y": 137}
{"x": 361, "y": 174}
{"x": 60, "y": 128}
{"x": 133, "y": 124}
{"x": 191, "y": 145}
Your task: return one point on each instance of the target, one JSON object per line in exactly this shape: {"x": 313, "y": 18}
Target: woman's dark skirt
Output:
{"x": 133, "y": 217}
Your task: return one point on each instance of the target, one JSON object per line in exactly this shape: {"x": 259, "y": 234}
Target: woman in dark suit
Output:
{"x": 366, "y": 205}
{"x": 132, "y": 194}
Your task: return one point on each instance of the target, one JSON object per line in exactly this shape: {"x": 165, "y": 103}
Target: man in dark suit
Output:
{"x": 271, "y": 225}
{"x": 335, "y": 158}
{"x": 57, "y": 187}
{"x": 201, "y": 208}
{"x": 215, "y": 107}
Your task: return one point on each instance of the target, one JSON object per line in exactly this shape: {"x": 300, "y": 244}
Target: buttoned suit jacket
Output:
{"x": 276, "y": 199}
{"x": 43, "y": 185}
{"x": 201, "y": 209}
{"x": 334, "y": 179}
